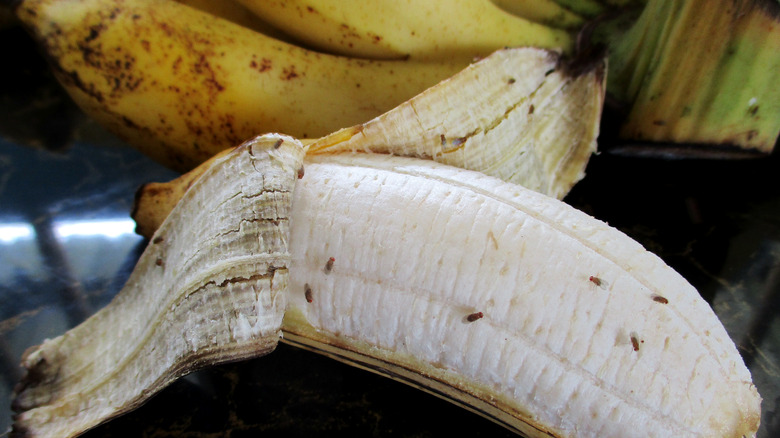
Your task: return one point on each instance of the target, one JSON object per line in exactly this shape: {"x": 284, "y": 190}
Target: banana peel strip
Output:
{"x": 524, "y": 115}
{"x": 209, "y": 288}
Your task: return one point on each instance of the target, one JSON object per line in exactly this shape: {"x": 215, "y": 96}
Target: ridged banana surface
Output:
{"x": 209, "y": 288}
{"x": 509, "y": 302}
{"x": 182, "y": 85}
{"x": 522, "y": 115}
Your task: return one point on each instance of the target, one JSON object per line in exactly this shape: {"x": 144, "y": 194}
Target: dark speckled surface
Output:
{"x": 66, "y": 247}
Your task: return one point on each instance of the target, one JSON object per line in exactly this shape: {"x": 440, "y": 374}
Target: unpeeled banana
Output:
{"x": 414, "y": 29}
{"x": 547, "y": 12}
{"x": 181, "y": 85}
{"x": 702, "y": 72}
{"x": 505, "y": 301}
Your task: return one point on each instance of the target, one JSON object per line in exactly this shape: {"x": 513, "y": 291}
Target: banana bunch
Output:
{"x": 182, "y": 84}
{"x": 545, "y": 320}
{"x": 182, "y": 80}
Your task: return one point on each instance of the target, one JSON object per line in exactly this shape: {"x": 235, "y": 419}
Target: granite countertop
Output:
{"x": 67, "y": 245}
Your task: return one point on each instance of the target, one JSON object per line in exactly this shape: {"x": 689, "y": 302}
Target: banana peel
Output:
{"x": 209, "y": 288}
{"x": 524, "y": 115}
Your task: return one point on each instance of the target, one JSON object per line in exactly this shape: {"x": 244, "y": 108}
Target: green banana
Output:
{"x": 701, "y": 72}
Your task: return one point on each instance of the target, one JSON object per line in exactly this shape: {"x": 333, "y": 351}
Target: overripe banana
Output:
{"x": 415, "y": 29}
{"x": 181, "y": 85}
{"x": 209, "y": 288}
{"x": 523, "y": 115}
{"x": 503, "y": 300}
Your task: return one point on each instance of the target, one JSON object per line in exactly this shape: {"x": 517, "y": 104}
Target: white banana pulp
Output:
{"x": 506, "y": 301}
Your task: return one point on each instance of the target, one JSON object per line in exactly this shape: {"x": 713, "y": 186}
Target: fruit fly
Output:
{"x": 329, "y": 265}
{"x": 595, "y": 280}
{"x": 660, "y": 299}
{"x": 635, "y": 341}
{"x": 474, "y": 316}
{"x": 307, "y": 293}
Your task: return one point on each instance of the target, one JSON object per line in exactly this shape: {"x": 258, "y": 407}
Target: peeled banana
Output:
{"x": 505, "y": 301}
{"x": 511, "y": 303}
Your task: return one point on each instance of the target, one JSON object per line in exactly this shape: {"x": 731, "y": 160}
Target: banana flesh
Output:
{"x": 208, "y": 289}
{"x": 506, "y": 301}
{"x": 181, "y": 85}
{"x": 520, "y": 114}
